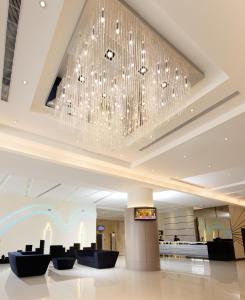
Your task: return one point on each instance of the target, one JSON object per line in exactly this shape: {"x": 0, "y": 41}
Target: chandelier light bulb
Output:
{"x": 173, "y": 93}
{"x": 130, "y": 39}
{"x": 110, "y": 54}
{"x": 186, "y": 82}
{"x": 176, "y": 74}
{"x": 93, "y": 36}
{"x": 166, "y": 67}
{"x": 117, "y": 27}
{"x": 102, "y": 16}
{"x": 164, "y": 84}
{"x": 42, "y": 3}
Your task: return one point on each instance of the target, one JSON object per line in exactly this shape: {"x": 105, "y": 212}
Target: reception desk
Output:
{"x": 188, "y": 249}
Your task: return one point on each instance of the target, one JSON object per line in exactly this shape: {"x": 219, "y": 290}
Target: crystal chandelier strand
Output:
{"x": 122, "y": 79}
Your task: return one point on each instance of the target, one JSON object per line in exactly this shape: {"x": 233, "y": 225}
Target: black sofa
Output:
{"x": 24, "y": 265}
{"x": 221, "y": 249}
{"x": 100, "y": 259}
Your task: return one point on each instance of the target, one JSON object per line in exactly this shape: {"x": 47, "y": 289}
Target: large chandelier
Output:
{"x": 122, "y": 79}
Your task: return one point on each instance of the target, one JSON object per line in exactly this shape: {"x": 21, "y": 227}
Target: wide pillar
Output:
{"x": 141, "y": 237}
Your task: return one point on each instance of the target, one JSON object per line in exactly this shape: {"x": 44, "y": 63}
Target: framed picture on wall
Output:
{"x": 145, "y": 213}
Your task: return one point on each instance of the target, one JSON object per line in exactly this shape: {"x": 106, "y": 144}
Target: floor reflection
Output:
{"x": 183, "y": 279}
{"x": 29, "y": 288}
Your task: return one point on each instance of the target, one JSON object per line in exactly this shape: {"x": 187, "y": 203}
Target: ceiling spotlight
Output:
{"x": 143, "y": 70}
{"x": 164, "y": 85}
{"x": 192, "y": 110}
{"x": 25, "y": 82}
{"x": 42, "y": 3}
{"x": 81, "y": 79}
{"x": 185, "y": 156}
{"x": 109, "y": 54}
{"x": 226, "y": 139}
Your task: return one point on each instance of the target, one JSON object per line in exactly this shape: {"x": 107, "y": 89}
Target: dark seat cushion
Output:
{"x": 63, "y": 263}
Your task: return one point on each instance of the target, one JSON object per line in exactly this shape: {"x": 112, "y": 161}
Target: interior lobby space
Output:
{"x": 122, "y": 166}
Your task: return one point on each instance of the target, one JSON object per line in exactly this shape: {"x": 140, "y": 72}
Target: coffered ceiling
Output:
{"x": 203, "y": 146}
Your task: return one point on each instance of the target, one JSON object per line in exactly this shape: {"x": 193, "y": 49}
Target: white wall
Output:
{"x": 26, "y": 221}
{"x": 178, "y": 222}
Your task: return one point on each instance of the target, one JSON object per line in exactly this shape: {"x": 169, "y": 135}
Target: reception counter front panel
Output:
{"x": 188, "y": 249}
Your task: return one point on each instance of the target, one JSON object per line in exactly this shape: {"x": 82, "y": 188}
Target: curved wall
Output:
{"x": 23, "y": 223}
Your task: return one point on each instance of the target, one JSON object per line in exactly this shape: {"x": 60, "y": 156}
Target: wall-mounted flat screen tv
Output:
{"x": 145, "y": 213}
{"x": 100, "y": 228}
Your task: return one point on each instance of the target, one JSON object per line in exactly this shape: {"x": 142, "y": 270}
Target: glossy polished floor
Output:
{"x": 183, "y": 279}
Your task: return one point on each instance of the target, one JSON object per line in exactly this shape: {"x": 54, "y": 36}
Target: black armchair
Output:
{"x": 28, "y": 265}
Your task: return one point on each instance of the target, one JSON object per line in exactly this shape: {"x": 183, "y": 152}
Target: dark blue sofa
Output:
{"x": 100, "y": 259}
{"x": 24, "y": 265}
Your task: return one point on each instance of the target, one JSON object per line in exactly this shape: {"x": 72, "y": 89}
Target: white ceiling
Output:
{"x": 197, "y": 153}
{"x": 110, "y": 204}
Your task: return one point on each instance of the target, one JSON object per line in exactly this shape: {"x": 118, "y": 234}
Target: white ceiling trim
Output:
{"x": 45, "y": 152}
{"x": 198, "y": 130}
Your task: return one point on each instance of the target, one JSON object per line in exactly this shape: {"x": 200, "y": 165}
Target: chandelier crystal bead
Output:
{"x": 121, "y": 79}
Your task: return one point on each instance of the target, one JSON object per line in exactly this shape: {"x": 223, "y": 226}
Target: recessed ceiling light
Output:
{"x": 226, "y": 139}
{"x": 192, "y": 110}
{"x": 185, "y": 156}
{"x": 42, "y": 3}
{"x": 25, "y": 82}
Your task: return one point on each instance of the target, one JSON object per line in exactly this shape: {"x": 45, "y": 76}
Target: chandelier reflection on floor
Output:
{"x": 122, "y": 78}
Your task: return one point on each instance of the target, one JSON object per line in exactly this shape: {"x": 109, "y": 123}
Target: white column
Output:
{"x": 141, "y": 237}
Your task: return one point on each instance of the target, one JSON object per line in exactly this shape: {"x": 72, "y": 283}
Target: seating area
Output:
{"x": 35, "y": 263}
